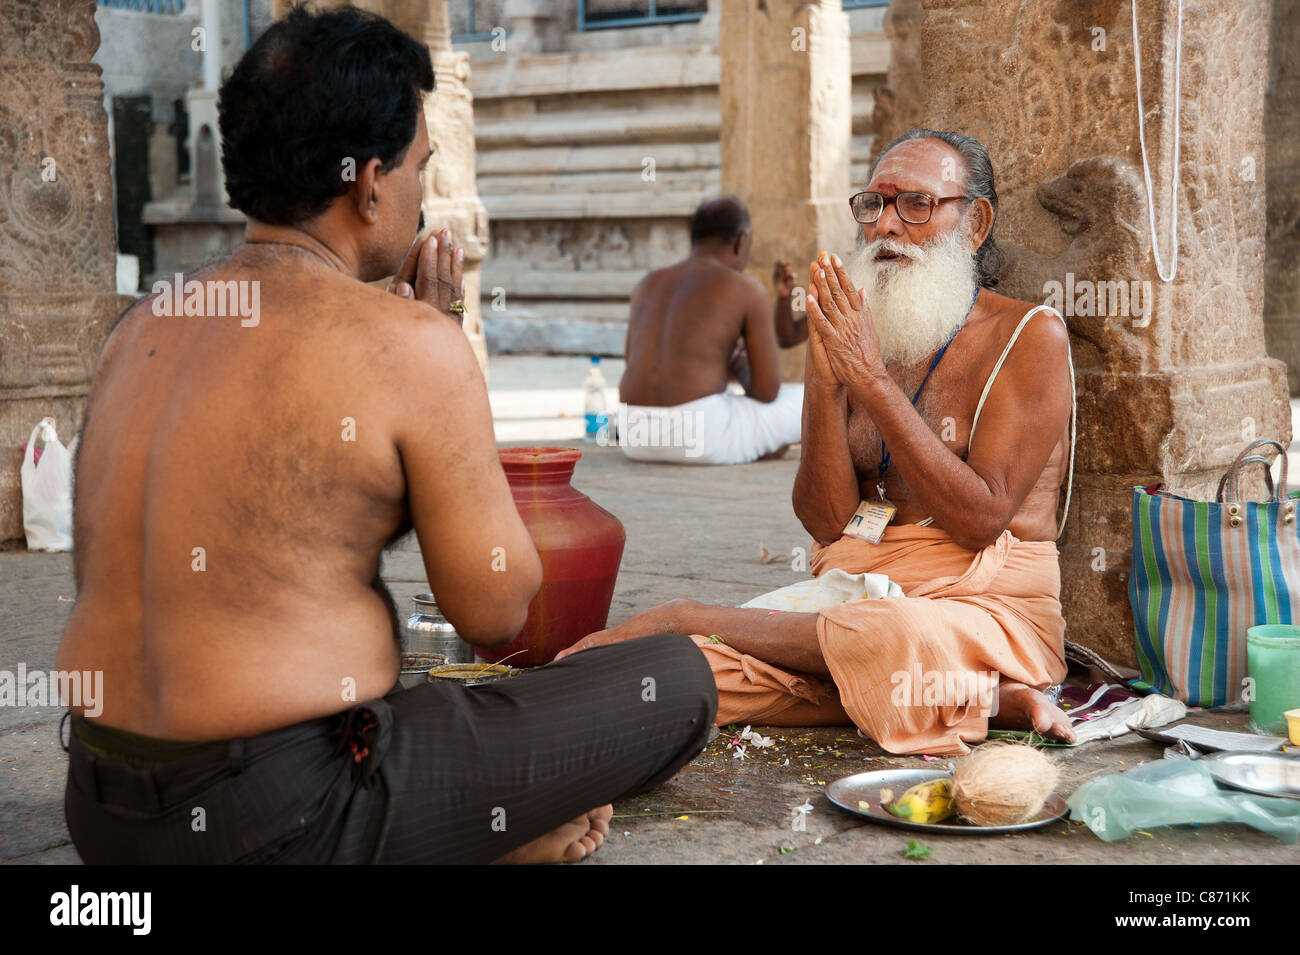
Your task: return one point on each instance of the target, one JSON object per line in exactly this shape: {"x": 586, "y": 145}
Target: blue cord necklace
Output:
{"x": 884, "y": 449}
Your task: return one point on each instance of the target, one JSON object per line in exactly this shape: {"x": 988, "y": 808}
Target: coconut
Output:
{"x": 1002, "y": 784}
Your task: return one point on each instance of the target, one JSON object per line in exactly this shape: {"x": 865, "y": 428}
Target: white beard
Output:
{"x": 915, "y": 306}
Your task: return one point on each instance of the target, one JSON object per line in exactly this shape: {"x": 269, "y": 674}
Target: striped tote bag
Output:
{"x": 1205, "y": 571}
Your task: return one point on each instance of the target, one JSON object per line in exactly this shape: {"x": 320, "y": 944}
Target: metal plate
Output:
{"x": 1213, "y": 741}
{"x": 1266, "y": 774}
{"x": 865, "y": 787}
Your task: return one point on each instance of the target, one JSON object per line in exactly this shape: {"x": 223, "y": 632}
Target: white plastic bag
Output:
{"x": 47, "y": 491}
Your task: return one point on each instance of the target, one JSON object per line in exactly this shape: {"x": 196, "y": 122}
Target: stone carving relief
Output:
{"x": 56, "y": 233}
{"x": 79, "y": 32}
{"x": 536, "y": 244}
{"x": 1040, "y": 91}
{"x": 666, "y": 243}
{"x": 604, "y": 247}
{"x": 46, "y": 207}
{"x": 1098, "y": 203}
{"x": 587, "y": 245}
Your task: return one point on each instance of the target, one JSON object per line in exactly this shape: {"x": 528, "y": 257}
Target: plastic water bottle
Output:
{"x": 597, "y": 418}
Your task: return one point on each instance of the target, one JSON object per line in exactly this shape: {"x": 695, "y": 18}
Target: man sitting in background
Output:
{"x": 683, "y": 344}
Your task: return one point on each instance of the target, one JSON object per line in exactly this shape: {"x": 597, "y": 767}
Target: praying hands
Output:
{"x": 843, "y": 344}
{"x": 433, "y": 273}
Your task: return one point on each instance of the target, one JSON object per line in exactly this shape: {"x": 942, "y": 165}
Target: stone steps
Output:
{"x": 585, "y": 158}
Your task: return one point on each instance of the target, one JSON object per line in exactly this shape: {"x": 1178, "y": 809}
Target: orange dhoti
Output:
{"x": 914, "y": 673}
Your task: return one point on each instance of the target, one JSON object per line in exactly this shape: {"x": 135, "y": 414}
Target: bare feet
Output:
{"x": 776, "y": 455}
{"x": 1022, "y": 707}
{"x": 571, "y": 842}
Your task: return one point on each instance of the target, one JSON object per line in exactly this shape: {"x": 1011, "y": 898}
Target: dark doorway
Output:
{"x": 132, "y": 124}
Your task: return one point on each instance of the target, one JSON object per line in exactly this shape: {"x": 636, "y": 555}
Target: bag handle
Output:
{"x": 1268, "y": 475}
{"x": 45, "y": 429}
{"x": 1228, "y": 483}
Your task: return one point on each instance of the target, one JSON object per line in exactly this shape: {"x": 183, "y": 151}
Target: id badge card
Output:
{"x": 869, "y": 521}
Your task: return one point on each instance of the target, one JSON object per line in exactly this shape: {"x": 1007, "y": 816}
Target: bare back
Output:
{"x": 684, "y": 322}
{"x": 235, "y": 488}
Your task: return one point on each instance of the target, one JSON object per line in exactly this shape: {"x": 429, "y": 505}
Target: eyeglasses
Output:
{"x": 912, "y": 207}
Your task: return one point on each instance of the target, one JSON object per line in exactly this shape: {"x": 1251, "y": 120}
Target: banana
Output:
{"x": 925, "y": 802}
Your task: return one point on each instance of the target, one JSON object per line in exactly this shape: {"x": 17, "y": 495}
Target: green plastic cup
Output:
{"x": 1273, "y": 662}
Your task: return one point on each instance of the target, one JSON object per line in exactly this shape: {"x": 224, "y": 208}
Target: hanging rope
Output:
{"x": 1142, "y": 138}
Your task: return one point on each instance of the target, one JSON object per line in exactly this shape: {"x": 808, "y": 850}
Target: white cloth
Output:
{"x": 1147, "y": 712}
{"x": 833, "y": 587}
{"x": 717, "y": 429}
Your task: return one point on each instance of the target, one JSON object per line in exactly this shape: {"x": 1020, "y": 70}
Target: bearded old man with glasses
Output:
{"x": 937, "y": 432}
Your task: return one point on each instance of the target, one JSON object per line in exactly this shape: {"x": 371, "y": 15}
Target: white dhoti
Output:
{"x": 717, "y": 429}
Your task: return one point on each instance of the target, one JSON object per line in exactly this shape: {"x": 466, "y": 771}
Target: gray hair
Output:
{"x": 989, "y": 259}
{"x": 724, "y": 217}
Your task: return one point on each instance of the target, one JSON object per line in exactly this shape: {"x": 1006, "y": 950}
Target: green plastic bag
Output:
{"x": 1171, "y": 792}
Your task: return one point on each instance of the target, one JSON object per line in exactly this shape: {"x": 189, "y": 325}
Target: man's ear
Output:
{"x": 982, "y": 211}
{"x": 364, "y": 192}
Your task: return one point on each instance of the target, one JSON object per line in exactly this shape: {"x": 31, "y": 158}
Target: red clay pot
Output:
{"x": 581, "y": 546}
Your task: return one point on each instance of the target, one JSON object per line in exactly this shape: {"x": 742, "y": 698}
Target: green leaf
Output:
{"x": 786, "y": 850}
{"x": 917, "y": 850}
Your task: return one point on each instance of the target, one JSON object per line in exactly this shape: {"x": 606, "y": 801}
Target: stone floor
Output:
{"x": 691, "y": 532}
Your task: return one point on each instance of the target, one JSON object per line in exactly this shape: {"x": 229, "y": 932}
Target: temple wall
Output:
{"x": 1282, "y": 169}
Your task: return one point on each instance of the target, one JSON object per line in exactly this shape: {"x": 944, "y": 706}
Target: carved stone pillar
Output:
{"x": 1282, "y": 130}
{"x": 893, "y": 114}
{"x": 450, "y": 187}
{"x": 786, "y": 130}
{"x": 1173, "y": 379}
{"x": 58, "y": 295}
